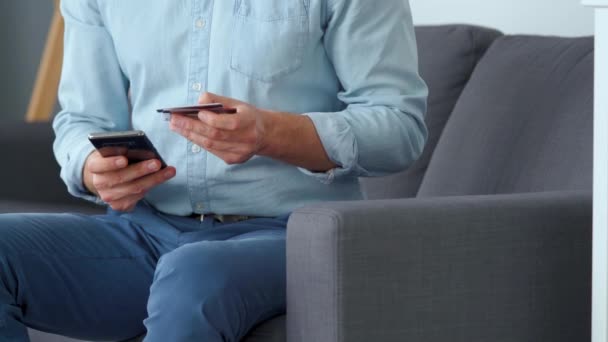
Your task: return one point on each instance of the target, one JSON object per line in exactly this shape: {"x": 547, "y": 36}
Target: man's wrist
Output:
{"x": 293, "y": 139}
{"x": 274, "y": 126}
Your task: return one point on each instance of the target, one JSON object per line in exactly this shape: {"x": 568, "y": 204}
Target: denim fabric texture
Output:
{"x": 112, "y": 277}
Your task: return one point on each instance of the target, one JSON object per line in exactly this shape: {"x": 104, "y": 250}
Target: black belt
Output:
{"x": 223, "y": 218}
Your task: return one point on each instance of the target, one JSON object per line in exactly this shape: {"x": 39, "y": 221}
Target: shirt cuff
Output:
{"x": 71, "y": 172}
{"x": 339, "y": 143}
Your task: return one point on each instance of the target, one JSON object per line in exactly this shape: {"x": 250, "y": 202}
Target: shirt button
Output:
{"x": 196, "y": 148}
{"x": 200, "y": 206}
{"x": 200, "y": 23}
{"x": 197, "y": 86}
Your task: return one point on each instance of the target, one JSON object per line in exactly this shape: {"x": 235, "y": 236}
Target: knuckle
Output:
{"x": 233, "y": 125}
{"x": 109, "y": 184}
{"x": 99, "y": 183}
{"x": 214, "y": 134}
{"x": 251, "y": 139}
{"x": 231, "y": 160}
{"x": 120, "y": 178}
{"x": 248, "y": 154}
{"x": 137, "y": 189}
{"x": 244, "y": 157}
{"x": 142, "y": 170}
{"x": 207, "y": 143}
{"x": 105, "y": 197}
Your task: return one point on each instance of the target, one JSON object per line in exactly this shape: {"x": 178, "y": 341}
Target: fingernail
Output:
{"x": 152, "y": 166}
{"x": 121, "y": 162}
{"x": 169, "y": 173}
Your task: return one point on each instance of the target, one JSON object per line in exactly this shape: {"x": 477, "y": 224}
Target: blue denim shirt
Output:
{"x": 350, "y": 65}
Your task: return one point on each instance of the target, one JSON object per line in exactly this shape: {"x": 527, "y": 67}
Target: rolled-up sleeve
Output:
{"x": 373, "y": 50}
{"x": 92, "y": 93}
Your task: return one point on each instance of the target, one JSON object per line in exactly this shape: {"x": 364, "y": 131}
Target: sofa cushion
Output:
{"x": 447, "y": 57}
{"x": 33, "y": 174}
{"x": 523, "y": 122}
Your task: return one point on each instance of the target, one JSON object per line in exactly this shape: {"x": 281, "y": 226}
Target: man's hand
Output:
{"x": 234, "y": 138}
{"x": 121, "y": 185}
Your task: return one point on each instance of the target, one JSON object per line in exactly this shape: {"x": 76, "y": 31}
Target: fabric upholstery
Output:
{"x": 461, "y": 269}
{"x": 447, "y": 56}
{"x": 33, "y": 177}
{"x": 34, "y": 174}
{"x": 523, "y": 123}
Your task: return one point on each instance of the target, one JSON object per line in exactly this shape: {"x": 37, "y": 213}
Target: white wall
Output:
{"x": 546, "y": 17}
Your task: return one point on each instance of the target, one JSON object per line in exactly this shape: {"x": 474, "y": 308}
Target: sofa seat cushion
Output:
{"x": 524, "y": 122}
{"x": 447, "y": 56}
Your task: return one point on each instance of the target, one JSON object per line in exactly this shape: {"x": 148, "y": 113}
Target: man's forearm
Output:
{"x": 293, "y": 139}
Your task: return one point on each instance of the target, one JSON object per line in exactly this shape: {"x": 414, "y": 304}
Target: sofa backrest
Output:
{"x": 447, "y": 56}
{"x": 522, "y": 124}
{"x": 31, "y": 172}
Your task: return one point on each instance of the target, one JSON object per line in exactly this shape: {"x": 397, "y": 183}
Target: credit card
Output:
{"x": 193, "y": 110}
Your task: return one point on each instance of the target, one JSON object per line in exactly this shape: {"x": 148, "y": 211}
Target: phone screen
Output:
{"x": 134, "y": 145}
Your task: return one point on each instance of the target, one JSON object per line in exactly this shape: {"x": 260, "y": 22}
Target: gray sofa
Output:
{"x": 486, "y": 238}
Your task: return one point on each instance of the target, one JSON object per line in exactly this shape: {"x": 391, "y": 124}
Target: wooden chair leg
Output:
{"x": 44, "y": 95}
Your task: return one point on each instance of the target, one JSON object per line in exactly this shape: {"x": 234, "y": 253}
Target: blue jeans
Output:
{"x": 116, "y": 276}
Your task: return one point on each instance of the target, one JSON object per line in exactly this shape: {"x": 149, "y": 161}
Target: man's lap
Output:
{"x": 81, "y": 275}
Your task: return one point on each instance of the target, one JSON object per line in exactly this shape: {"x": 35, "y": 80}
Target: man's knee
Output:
{"x": 203, "y": 266}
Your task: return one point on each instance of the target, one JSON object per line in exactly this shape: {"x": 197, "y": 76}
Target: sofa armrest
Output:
{"x": 475, "y": 268}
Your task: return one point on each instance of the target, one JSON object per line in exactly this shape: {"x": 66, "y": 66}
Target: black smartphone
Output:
{"x": 134, "y": 145}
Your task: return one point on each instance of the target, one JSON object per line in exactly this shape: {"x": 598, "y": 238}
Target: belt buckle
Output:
{"x": 224, "y": 218}
{"x": 219, "y": 218}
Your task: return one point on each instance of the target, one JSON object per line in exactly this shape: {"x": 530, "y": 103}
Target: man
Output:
{"x": 328, "y": 91}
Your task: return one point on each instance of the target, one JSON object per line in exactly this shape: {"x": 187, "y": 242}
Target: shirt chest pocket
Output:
{"x": 269, "y": 37}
